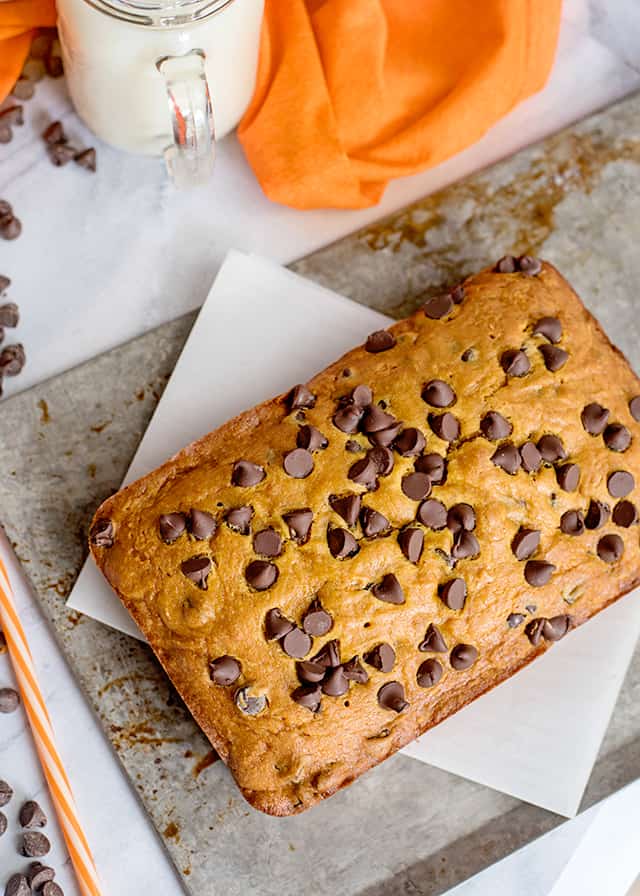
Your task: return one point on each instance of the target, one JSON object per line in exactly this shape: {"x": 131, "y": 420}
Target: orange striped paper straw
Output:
{"x": 42, "y": 731}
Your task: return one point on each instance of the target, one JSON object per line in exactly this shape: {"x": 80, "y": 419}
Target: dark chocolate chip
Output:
{"x": 554, "y": 356}
{"x": 507, "y": 457}
{"x": 38, "y": 875}
{"x": 533, "y": 630}
{"x": 353, "y": 446}
{"x": 432, "y": 514}
{"x": 551, "y": 449}
{"x": 515, "y": 362}
{"x": 346, "y": 506}
{"x": 309, "y": 697}
{"x": 461, "y": 516}
{"x": 453, "y": 593}
{"x": 380, "y": 341}
{"x": 525, "y": 543}
{"x": 60, "y": 154}
{"x": 538, "y": 572}
{"x": 5, "y": 282}
{"x": 316, "y": 621}
{"x": 529, "y": 265}
{"x": 634, "y": 407}
{"x": 250, "y": 704}
{"x": 597, "y": 515}
{"x": 382, "y": 657}
{"x": 373, "y": 523}
{"x": 458, "y": 294}
{"x": 328, "y": 655}
{"x": 572, "y": 522}
{"x": 9, "y": 314}
{"x": 531, "y": 457}
{"x": 355, "y": 671}
{"x": 508, "y": 264}
{"x": 296, "y": 643}
{"x": 388, "y": 589}
{"x": 375, "y": 419}
{"x": 261, "y": 574}
{"x": 515, "y": 619}
{"x": 411, "y": 543}
{"x": 550, "y": 328}
{"x": 416, "y": 486}
{"x": 9, "y": 700}
{"x": 463, "y": 656}
{"x": 594, "y": 418}
{"x": 299, "y": 523}
{"x": 495, "y": 427}
{"x": 391, "y": 696}
{"x": 310, "y": 672}
{"x": 617, "y": 437}
{"x": 86, "y": 159}
{"x": 382, "y": 458}
{"x": 224, "y": 670}
{"x": 438, "y": 394}
{"x": 620, "y": 484}
{"x": 438, "y": 306}
{"x": 364, "y": 472}
{"x": 267, "y": 542}
{"x": 555, "y": 628}
{"x": 197, "y": 569}
{"x": 410, "y": 442}
{"x": 385, "y": 437}
{"x": 429, "y": 673}
{"x": 335, "y": 683}
{"x": 434, "y": 465}
{"x": 171, "y": 526}
{"x": 32, "y": 815}
{"x": 102, "y": 533}
{"x": 568, "y": 477}
{"x": 347, "y": 418}
{"x": 239, "y": 519}
{"x": 300, "y": 397}
{"x": 465, "y": 545}
{"x": 433, "y": 642}
{"x": 625, "y": 514}
{"x": 610, "y": 548}
{"x": 445, "y": 426}
{"x": 35, "y": 844}
{"x": 469, "y": 354}
{"x": 341, "y": 543}
{"x": 245, "y": 473}
{"x": 17, "y": 886}
{"x": 362, "y": 396}
{"x": 276, "y": 625}
{"x": 531, "y": 608}
{"x": 3, "y": 824}
{"x": 6, "y": 792}
{"x": 12, "y": 359}
{"x": 298, "y": 463}
{"x": 311, "y": 438}
{"x": 202, "y": 525}
{"x": 54, "y": 133}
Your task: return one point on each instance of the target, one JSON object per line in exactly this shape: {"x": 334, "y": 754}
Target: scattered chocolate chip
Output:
{"x": 597, "y": 515}
{"x": 568, "y": 477}
{"x": 35, "y": 844}
{"x": 433, "y": 642}
{"x": 6, "y": 134}
{"x": 299, "y": 523}
{"x": 10, "y": 227}
{"x": 538, "y": 572}
{"x": 316, "y": 621}
{"x": 102, "y": 533}
{"x": 310, "y": 672}
{"x": 445, "y": 426}
{"x": 438, "y": 306}
{"x": 625, "y": 514}
{"x": 5, "y": 282}
{"x": 276, "y": 625}
{"x": 3, "y": 824}
{"x": 6, "y": 792}
{"x": 298, "y": 463}
{"x": 416, "y": 486}
{"x": 336, "y": 683}
{"x": 453, "y": 593}
{"x": 12, "y": 359}
{"x": 434, "y": 466}
{"x": 525, "y": 543}
{"x": 634, "y": 407}
{"x": 202, "y": 525}
{"x": 309, "y": 697}
{"x": 515, "y": 619}
{"x": 555, "y": 628}
{"x": 465, "y": 545}
{"x": 494, "y": 426}
{"x": 328, "y": 655}
{"x": 463, "y": 656}
{"x": 438, "y": 394}
{"x": 347, "y": 418}
{"x": 261, "y": 574}
{"x": 429, "y": 673}
{"x": 239, "y": 519}
{"x": 432, "y": 514}
{"x": 267, "y": 542}
{"x": 508, "y": 264}
{"x": 409, "y": 443}
{"x": 346, "y": 506}
{"x": 249, "y": 704}
{"x": 551, "y": 449}
{"x": 529, "y": 265}
{"x": 515, "y": 362}
{"x": 171, "y": 526}
{"x": 9, "y": 314}
{"x": 572, "y": 522}
{"x": 86, "y": 158}
{"x": 382, "y": 458}
{"x": 620, "y": 484}
{"x": 391, "y": 696}
{"x": 17, "y": 886}
{"x": 355, "y": 671}
{"x": 550, "y": 328}
{"x": 373, "y": 523}
{"x": 388, "y": 589}
{"x": 38, "y": 875}
{"x": 461, "y": 516}
{"x": 32, "y": 816}
{"x": 353, "y": 446}
{"x": 411, "y": 543}
{"x": 382, "y": 657}
{"x": 507, "y": 457}
{"x": 54, "y": 133}
{"x": 311, "y": 438}
{"x": 554, "y": 356}
{"x": 530, "y": 457}
{"x": 296, "y": 643}
{"x": 60, "y": 154}
{"x": 380, "y": 341}
{"x": 364, "y": 472}
{"x": 245, "y": 473}
{"x": 385, "y": 437}
{"x": 341, "y": 543}
{"x": 594, "y": 418}
{"x": 617, "y": 437}
{"x": 224, "y": 670}
{"x": 6, "y": 209}
{"x": 610, "y": 548}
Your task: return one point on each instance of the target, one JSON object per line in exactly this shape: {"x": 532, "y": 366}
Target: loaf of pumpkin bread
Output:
{"x": 337, "y": 570}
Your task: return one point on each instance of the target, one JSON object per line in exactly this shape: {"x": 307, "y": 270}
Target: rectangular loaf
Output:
{"x": 337, "y": 570}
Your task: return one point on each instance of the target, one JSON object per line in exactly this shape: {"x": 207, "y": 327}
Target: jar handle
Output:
{"x": 190, "y": 157}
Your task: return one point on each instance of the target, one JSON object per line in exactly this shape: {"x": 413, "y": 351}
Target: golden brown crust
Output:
{"x": 288, "y": 757}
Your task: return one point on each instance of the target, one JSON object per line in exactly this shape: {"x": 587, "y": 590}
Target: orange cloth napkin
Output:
{"x": 352, "y": 93}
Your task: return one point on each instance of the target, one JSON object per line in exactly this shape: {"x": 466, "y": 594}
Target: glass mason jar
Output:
{"x": 152, "y": 76}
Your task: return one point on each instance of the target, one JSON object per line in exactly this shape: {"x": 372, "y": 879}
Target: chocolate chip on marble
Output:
{"x": 329, "y": 654}
{"x": 416, "y": 486}
{"x": 353, "y": 446}
{"x": 32, "y": 815}
{"x": 594, "y": 418}
{"x": 267, "y": 542}
{"x": 298, "y": 463}
{"x": 335, "y": 683}
{"x": 296, "y": 643}
{"x": 620, "y": 483}
{"x": 299, "y": 523}
{"x": 300, "y": 397}
{"x": 610, "y": 548}
{"x": 634, "y": 407}
{"x": 276, "y": 625}
{"x": 554, "y": 357}
{"x": 434, "y": 465}
{"x": 347, "y": 418}
{"x": 617, "y": 437}
{"x": 382, "y": 657}
{"x": 202, "y": 525}
{"x": 364, "y": 472}
{"x": 465, "y": 546}
{"x": 438, "y": 394}
{"x": 433, "y": 642}
{"x": 625, "y": 514}
{"x": 376, "y": 419}
{"x": 508, "y": 264}
{"x": 461, "y": 516}
{"x": 310, "y": 672}
{"x": 197, "y": 569}
{"x": 438, "y": 306}
{"x": 38, "y": 875}
{"x": 382, "y": 458}
{"x": 102, "y": 533}
{"x": 355, "y": 671}
{"x": 6, "y": 792}
{"x": 463, "y": 656}
{"x": 429, "y": 673}
{"x": 245, "y": 473}
{"x": 391, "y": 696}
{"x": 432, "y": 514}
{"x": 12, "y": 359}
{"x": 250, "y": 704}
{"x": 9, "y": 314}
{"x": 529, "y": 265}
{"x": 385, "y": 437}
{"x": 17, "y": 886}
{"x": 411, "y": 541}
{"x": 171, "y": 526}
{"x": 550, "y": 328}
{"x": 410, "y": 442}
{"x": 316, "y": 621}
{"x": 224, "y": 670}
{"x": 373, "y": 522}
{"x": 445, "y": 426}
{"x": 515, "y": 619}
{"x": 346, "y": 506}
{"x": 311, "y": 438}
{"x": 380, "y": 341}
{"x": 515, "y": 362}
{"x": 556, "y": 628}
{"x": 495, "y": 427}
{"x": 551, "y": 449}
{"x": 261, "y": 574}
{"x": 597, "y": 515}
{"x": 525, "y": 543}
{"x": 530, "y": 457}
{"x": 538, "y": 572}
{"x": 388, "y": 589}
{"x": 507, "y": 457}
{"x": 568, "y": 477}
{"x": 453, "y": 593}
{"x": 362, "y": 396}
{"x": 35, "y": 844}
{"x": 572, "y": 522}
{"x": 309, "y": 697}
{"x": 239, "y": 519}
{"x": 341, "y": 543}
